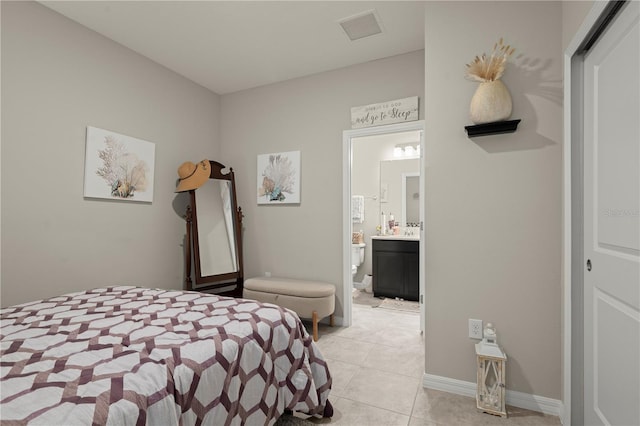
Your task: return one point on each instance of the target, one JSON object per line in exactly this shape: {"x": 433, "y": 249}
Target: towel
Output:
{"x": 357, "y": 208}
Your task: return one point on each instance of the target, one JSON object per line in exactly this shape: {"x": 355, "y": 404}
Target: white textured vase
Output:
{"x": 491, "y": 102}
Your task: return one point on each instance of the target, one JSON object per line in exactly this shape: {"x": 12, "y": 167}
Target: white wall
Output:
{"x": 494, "y": 203}
{"x": 307, "y": 114}
{"x": 365, "y": 180}
{"x": 58, "y": 78}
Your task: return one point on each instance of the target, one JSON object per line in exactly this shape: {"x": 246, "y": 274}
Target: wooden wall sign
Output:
{"x": 389, "y": 112}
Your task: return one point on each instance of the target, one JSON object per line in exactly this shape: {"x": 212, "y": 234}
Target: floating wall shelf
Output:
{"x": 494, "y": 128}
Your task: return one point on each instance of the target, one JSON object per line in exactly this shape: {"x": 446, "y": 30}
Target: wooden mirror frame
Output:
{"x": 225, "y": 284}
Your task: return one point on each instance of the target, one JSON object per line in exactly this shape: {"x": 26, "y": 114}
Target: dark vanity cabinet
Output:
{"x": 396, "y": 268}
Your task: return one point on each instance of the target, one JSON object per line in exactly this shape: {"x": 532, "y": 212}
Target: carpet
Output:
{"x": 399, "y": 305}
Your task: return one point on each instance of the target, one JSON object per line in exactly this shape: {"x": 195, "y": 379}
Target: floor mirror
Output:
{"x": 214, "y": 242}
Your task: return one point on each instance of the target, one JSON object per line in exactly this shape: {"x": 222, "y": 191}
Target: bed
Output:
{"x": 132, "y": 356}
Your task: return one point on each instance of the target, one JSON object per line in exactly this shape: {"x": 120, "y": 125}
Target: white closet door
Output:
{"x": 612, "y": 224}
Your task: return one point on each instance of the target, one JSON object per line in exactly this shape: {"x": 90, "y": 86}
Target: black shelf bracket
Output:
{"x": 494, "y": 128}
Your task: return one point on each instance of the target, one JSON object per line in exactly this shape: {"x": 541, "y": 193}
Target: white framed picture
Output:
{"x": 118, "y": 167}
{"x": 279, "y": 178}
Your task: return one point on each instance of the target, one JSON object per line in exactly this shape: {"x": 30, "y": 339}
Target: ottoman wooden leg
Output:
{"x": 331, "y": 323}
{"x": 314, "y": 319}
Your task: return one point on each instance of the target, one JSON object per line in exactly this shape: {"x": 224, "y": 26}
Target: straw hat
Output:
{"x": 192, "y": 176}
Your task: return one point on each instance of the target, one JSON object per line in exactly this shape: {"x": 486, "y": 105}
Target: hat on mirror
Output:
{"x": 192, "y": 176}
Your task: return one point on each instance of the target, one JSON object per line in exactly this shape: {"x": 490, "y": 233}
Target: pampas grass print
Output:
{"x": 490, "y": 68}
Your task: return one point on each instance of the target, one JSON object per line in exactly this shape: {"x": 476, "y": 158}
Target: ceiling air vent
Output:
{"x": 361, "y": 25}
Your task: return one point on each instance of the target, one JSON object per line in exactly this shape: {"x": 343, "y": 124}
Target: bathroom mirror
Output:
{"x": 398, "y": 178}
{"x": 214, "y": 227}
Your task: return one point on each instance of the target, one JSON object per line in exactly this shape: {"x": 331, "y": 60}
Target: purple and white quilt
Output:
{"x": 133, "y": 356}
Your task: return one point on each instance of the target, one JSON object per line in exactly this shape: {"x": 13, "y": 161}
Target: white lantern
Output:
{"x": 490, "y": 393}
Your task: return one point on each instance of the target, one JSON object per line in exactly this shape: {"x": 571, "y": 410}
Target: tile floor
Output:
{"x": 377, "y": 366}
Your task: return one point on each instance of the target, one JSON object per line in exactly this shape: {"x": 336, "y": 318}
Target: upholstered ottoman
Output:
{"x": 308, "y": 299}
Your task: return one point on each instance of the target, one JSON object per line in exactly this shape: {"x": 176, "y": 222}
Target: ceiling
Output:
{"x": 227, "y": 46}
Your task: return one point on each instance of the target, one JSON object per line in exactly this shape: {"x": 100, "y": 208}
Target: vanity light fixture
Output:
{"x": 407, "y": 150}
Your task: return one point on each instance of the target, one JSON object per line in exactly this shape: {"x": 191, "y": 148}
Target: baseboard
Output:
{"x": 564, "y": 418}
{"x": 446, "y": 384}
{"x": 527, "y": 401}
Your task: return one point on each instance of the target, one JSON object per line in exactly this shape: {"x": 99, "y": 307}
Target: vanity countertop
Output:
{"x": 397, "y": 237}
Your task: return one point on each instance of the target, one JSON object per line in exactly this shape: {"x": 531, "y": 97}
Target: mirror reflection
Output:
{"x": 216, "y": 239}
{"x": 400, "y": 190}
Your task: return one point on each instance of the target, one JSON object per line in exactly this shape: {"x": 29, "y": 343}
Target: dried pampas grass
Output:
{"x": 490, "y": 68}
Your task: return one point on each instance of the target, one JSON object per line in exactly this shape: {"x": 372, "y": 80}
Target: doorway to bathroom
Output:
{"x": 383, "y": 216}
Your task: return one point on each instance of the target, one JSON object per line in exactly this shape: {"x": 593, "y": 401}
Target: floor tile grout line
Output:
{"x": 361, "y": 367}
{"x": 389, "y": 372}
{"x": 376, "y": 406}
{"x": 416, "y": 411}
{"x": 413, "y": 406}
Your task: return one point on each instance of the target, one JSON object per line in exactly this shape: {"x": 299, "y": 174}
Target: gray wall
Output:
{"x": 493, "y": 204}
{"x": 307, "y": 114}
{"x": 573, "y": 13}
{"x": 57, "y": 78}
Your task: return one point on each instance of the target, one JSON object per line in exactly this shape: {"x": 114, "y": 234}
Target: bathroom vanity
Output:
{"x": 396, "y": 266}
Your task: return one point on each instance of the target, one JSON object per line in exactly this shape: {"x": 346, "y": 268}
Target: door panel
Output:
{"x": 615, "y": 82}
{"x": 613, "y": 365}
{"x": 612, "y": 223}
{"x": 388, "y": 274}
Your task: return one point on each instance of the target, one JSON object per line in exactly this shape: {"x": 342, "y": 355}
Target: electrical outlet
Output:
{"x": 475, "y": 329}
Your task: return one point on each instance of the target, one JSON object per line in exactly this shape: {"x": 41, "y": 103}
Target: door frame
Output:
{"x": 572, "y": 220}
{"x": 347, "y": 225}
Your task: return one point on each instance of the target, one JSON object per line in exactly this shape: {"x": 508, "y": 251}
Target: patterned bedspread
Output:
{"x": 131, "y": 356}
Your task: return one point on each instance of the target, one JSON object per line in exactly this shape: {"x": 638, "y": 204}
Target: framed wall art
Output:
{"x": 118, "y": 167}
{"x": 279, "y": 178}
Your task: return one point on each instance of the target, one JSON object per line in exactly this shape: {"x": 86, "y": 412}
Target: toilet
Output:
{"x": 357, "y": 257}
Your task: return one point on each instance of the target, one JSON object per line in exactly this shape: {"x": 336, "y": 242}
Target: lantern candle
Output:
{"x": 490, "y": 393}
